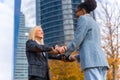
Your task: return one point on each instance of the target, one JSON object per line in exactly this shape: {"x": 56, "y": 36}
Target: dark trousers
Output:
{"x": 37, "y": 78}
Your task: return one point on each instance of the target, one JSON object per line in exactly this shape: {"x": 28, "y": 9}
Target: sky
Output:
{"x": 28, "y": 8}
{"x": 6, "y": 32}
{"x": 6, "y": 40}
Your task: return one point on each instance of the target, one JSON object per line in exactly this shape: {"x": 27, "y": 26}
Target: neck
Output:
{"x": 37, "y": 39}
{"x": 86, "y": 14}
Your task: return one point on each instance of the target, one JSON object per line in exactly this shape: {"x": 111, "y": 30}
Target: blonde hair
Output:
{"x": 32, "y": 34}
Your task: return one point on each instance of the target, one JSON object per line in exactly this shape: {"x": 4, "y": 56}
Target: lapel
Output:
{"x": 44, "y": 55}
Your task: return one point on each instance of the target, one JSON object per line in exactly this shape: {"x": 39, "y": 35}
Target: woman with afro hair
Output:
{"x": 87, "y": 39}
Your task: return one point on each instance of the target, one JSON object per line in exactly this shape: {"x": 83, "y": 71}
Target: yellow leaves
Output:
{"x": 60, "y": 70}
{"x": 110, "y": 61}
{"x": 114, "y": 61}
{"x": 114, "y": 66}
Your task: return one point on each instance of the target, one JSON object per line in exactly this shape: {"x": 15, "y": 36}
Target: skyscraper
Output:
{"x": 17, "y": 6}
{"x": 57, "y": 19}
{"x": 21, "y": 69}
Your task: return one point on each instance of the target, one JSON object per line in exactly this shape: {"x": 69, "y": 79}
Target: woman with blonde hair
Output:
{"x": 37, "y": 55}
{"x": 32, "y": 34}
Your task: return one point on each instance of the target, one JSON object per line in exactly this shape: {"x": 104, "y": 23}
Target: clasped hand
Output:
{"x": 58, "y": 49}
{"x": 61, "y": 50}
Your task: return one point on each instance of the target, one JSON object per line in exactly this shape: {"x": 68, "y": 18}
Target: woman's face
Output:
{"x": 39, "y": 33}
{"x": 79, "y": 12}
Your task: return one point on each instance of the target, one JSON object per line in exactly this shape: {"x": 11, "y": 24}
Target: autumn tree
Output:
{"x": 108, "y": 16}
{"x": 60, "y": 70}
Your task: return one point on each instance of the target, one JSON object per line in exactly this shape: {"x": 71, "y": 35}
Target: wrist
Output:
{"x": 68, "y": 58}
{"x": 65, "y": 48}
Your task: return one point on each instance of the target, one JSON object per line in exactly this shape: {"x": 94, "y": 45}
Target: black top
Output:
{"x": 37, "y": 61}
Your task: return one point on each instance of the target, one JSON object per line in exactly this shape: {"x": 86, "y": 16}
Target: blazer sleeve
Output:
{"x": 59, "y": 57}
{"x": 33, "y": 46}
{"x": 79, "y": 35}
{"x": 54, "y": 56}
{"x": 78, "y": 57}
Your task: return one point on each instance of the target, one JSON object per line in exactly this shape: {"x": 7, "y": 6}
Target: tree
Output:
{"x": 60, "y": 70}
{"x": 109, "y": 18}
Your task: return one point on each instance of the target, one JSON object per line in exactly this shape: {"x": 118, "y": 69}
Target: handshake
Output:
{"x": 58, "y": 49}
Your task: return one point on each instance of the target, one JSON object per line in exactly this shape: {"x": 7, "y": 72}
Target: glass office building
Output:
{"x": 21, "y": 69}
{"x": 17, "y": 6}
{"x": 57, "y": 19}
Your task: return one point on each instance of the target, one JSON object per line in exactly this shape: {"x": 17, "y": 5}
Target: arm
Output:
{"x": 73, "y": 57}
{"x": 77, "y": 56}
{"x": 35, "y": 47}
{"x": 79, "y": 36}
{"x": 70, "y": 58}
{"x": 56, "y": 57}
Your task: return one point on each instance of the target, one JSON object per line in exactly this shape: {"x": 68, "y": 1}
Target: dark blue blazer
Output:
{"x": 37, "y": 61}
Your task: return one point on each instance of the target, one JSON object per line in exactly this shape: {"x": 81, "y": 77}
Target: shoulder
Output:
{"x": 82, "y": 20}
{"x": 30, "y": 41}
{"x": 83, "y": 17}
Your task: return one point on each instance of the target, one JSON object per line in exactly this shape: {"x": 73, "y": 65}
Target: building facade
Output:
{"x": 16, "y": 27}
{"x": 21, "y": 69}
{"x": 57, "y": 18}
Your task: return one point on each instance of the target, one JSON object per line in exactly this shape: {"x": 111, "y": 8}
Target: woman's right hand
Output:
{"x": 54, "y": 51}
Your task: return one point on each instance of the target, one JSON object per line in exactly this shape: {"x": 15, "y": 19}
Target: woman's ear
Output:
{"x": 83, "y": 11}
